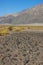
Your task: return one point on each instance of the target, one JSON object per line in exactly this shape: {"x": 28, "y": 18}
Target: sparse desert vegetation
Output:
{"x": 6, "y": 29}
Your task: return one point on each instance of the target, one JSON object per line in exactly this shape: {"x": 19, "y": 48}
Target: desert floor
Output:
{"x": 22, "y": 48}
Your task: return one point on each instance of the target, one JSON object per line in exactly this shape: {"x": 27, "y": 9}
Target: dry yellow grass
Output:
{"x": 6, "y": 29}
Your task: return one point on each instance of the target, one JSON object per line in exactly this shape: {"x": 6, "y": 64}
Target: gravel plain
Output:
{"x": 22, "y": 48}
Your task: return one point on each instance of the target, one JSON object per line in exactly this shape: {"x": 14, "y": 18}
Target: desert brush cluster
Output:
{"x": 6, "y": 29}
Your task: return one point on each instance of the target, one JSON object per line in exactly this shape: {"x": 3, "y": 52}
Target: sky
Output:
{"x": 15, "y": 6}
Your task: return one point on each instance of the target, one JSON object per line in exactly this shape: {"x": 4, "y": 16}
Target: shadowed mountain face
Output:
{"x": 33, "y": 15}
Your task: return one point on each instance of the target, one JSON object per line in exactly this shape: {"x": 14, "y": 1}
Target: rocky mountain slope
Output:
{"x": 33, "y": 15}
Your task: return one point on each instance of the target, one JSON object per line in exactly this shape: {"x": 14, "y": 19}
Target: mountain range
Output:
{"x": 27, "y": 16}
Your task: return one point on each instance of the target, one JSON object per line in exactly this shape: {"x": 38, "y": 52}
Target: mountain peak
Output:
{"x": 28, "y": 16}
{"x": 38, "y": 7}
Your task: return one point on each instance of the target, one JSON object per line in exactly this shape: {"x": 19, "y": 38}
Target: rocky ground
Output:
{"x": 22, "y": 48}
